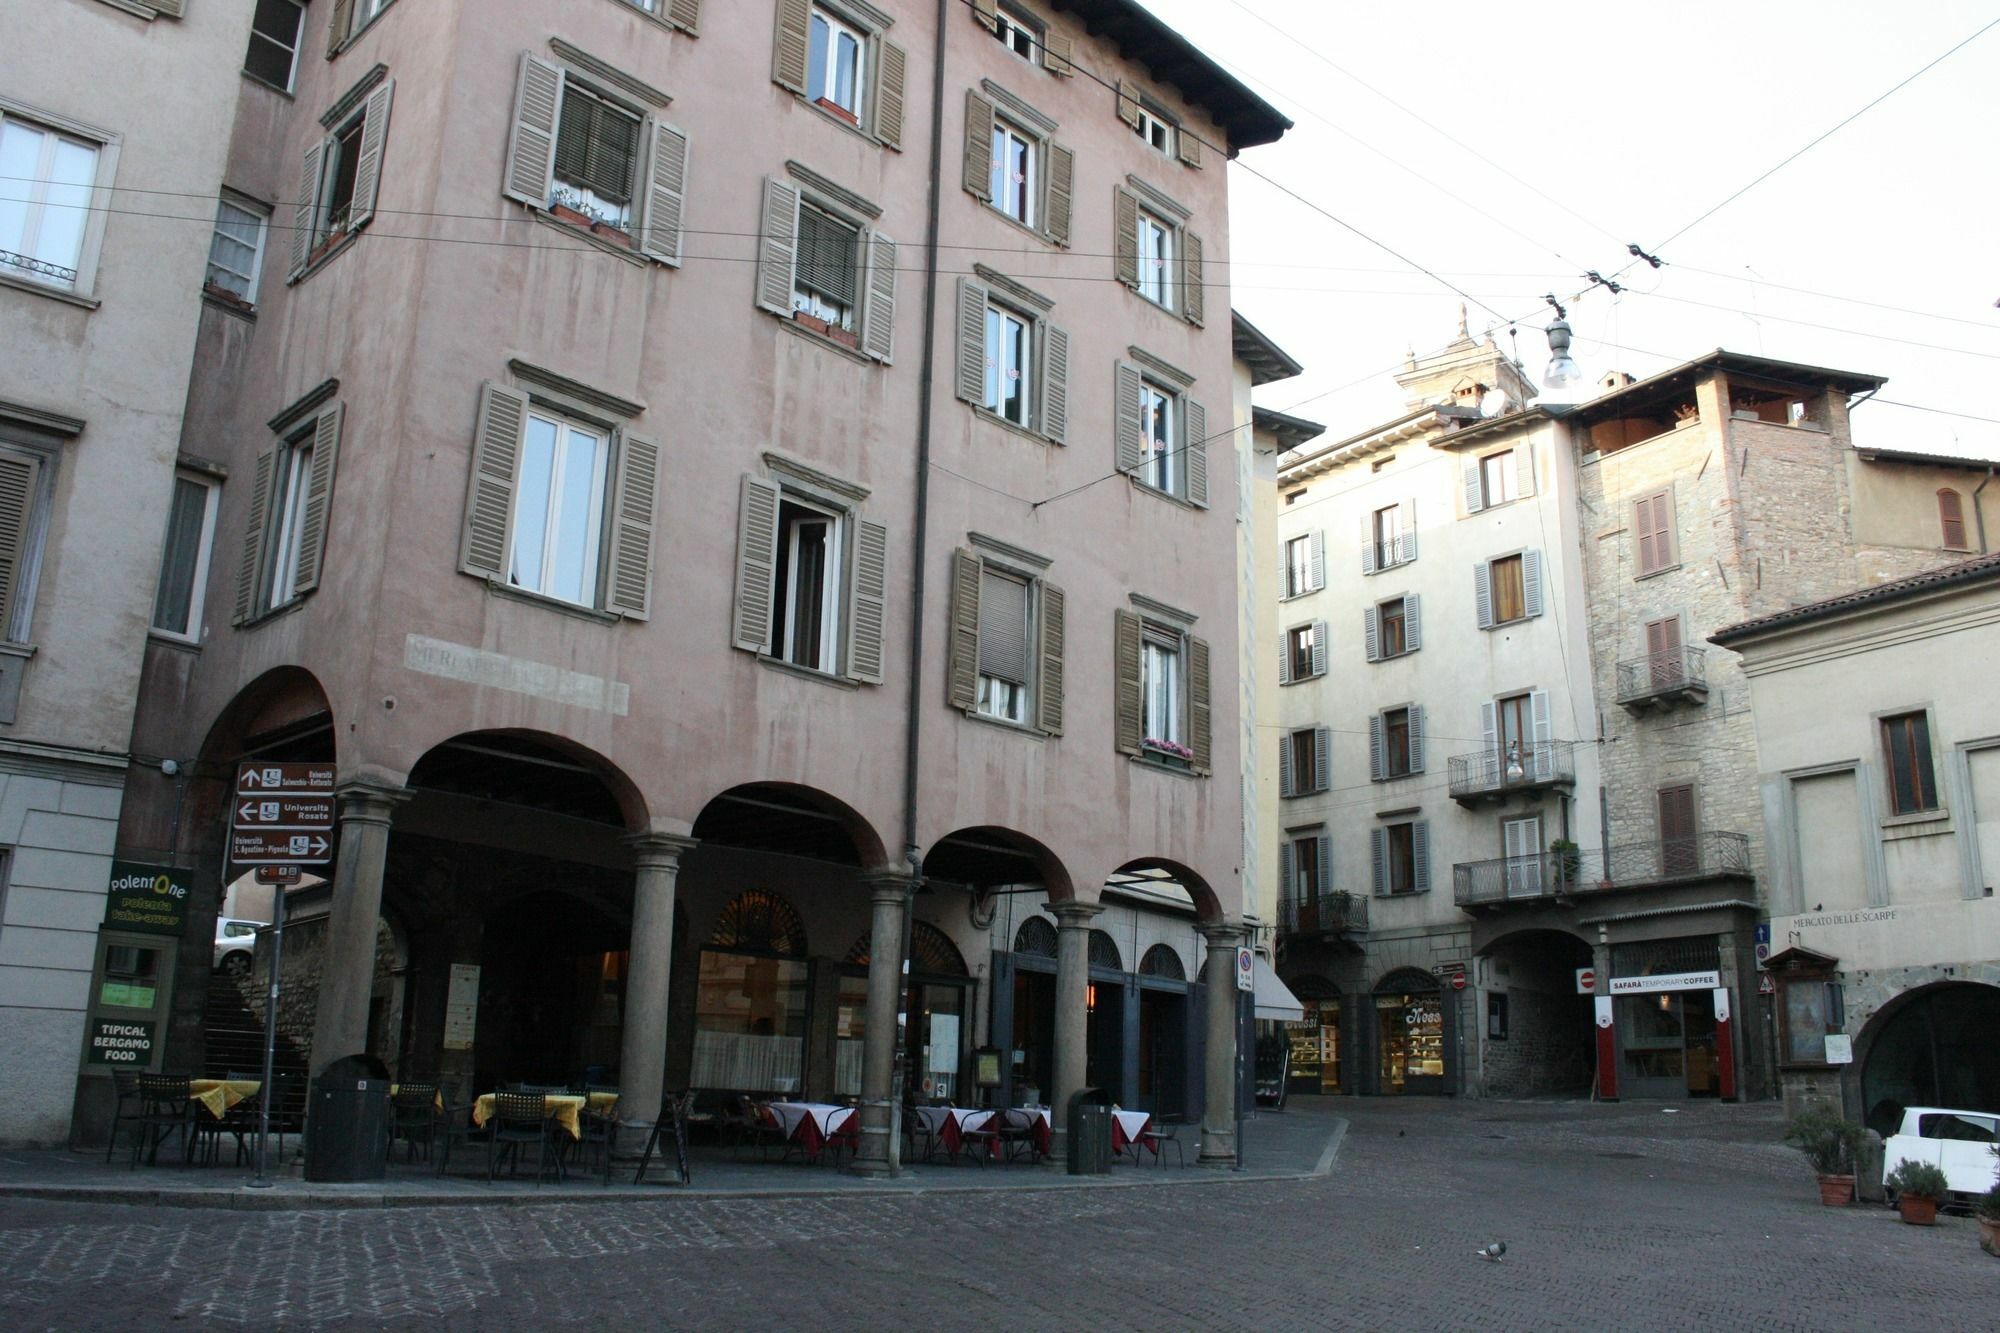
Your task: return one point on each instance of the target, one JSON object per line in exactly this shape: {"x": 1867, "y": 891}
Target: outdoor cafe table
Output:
{"x": 219, "y": 1094}
{"x": 1128, "y": 1128}
{"x": 950, "y": 1123}
{"x": 566, "y": 1107}
{"x": 813, "y": 1124}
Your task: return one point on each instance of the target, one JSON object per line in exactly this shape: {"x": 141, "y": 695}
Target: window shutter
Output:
{"x": 1416, "y": 738}
{"x": 634, "y": 499}
{"x": 1125, "y": 655}
{"x": 1125, "y": 236}
{"x": 756, "y": 564}
{"x": 1193, "y": 293}
{"x": 1188, "y": 146}
{"x": 249, "y": 574}
{"x": 1378, "y": 767}
{"x": 778, "y": 250}
{"x": 1370, "y": 633}
{"x": 1413, "y": 624}
{"x": 303, "y": 211}
{"x": 1664, "y": 637}
{"x": 1049, "y": 689}
{"x": 337, "y": 29}
{"x": 1406, "y": 540}
{"x": 1482, "y": 594}
{"x": 962, "y": 649}
{"x": 18, "y": 478}
{"x": 878, "y": 316}
{"x": 972, "y": 340}
{"x": 1055, "y": 383}
{"x": 531, "y": 143}
{"x": 1642, "y": 525}
{"x": 1195, "y": 451}
{"x": 1319, "y": 647}
{"x": 1538, "y": 718}
{"x": 1666, "y": 539}
{"x": 1368, "y": 543}
{"x": 685, "y": 14}
{"x": 368, "y": 163}
{"x": 1318, "y": 547}
{"x": 172, "y": 9}
{"x": 1287, "y": 887}
{"x": 1420, "y": 855}
{"x": 1489, "y": 731}
{"x": 1531, "y": 583}
{"x": 1056, "y": 52}
{"x": 1524, "y": 463}
{"x": 1323, "y": 856}
{"x": 1378, "y": 855}
{"x": 1200, "y": 734}
{"x": 889, "y": 94}
{"x": 1003, "y": 626}
{"x": 319, "y": 496}
{"x": 1061, "y": 192}
{"x": 1285, "y": 658}
{"x": 1128, "y": 104}
{"x": 1322, "y": 776}
{"x": 867, "y": 610}
{"x": 788, "y": 55}
{"x": 1475, "y": 495}
{"x": 1129, "y": 449}
{"x": 1951, "y": 519}
{"x": 978, "y": 146}
{"x": 666, "y": 191}
{"x": 986, "y": 12}
{"x": 1285, "y": 589}
{"x": 489, "y": 501}
{"x": 1287, "y": 777}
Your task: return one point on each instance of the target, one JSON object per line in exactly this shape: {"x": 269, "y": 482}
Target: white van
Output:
{"x": 1960, "y": 1143}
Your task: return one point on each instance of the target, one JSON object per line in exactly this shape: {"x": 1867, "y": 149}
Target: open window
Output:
{"x": 1162, "y": 697}
{"x": 1012, "y": 362}
{"x": 1388, "y": 536}
{"x": 1304, "y": 565}
{"x": 1156, "y": 126}
{"x": 1499, "y": 478}
{"x": 1396, "y": 743}
{"x": 1507, "y": 589}
{"x": 822, "y": 265}
{"x": 284, "y": 541}
{"x": 1013, "y": 162}
{"x": 1155, "y": 253}
{"x": 1161, "y": 432}
{"x": 1303, "y": 654}
{"x": 1401, "y": 855}
{"x": 810, "y": 579}
{"x": 339, "y": 179}
{"x": 1392, "y": 628}
{"x": 837, "y": 58}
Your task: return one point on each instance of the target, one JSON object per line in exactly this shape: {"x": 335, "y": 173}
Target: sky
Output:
{"x": 1581, "y": 128}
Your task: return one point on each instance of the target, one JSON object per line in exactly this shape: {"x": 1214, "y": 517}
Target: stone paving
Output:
{"x": 1620, "y": 1217}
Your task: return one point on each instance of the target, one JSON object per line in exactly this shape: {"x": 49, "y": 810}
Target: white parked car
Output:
{"x": 1960, "y": 1143}
{"x": 235, "y": 944}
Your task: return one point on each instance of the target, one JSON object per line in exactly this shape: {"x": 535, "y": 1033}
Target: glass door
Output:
{"x": 1522, "y": 843}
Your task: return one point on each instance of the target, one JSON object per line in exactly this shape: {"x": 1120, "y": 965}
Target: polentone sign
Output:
{"x": 1666, "y": 981}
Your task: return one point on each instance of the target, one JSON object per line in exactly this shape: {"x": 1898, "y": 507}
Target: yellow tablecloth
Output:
{"x": 219, "y": 1094}
{"x": 567, "y": 1108}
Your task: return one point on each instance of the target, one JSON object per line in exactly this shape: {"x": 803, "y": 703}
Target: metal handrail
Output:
{"x": 1322, "y": 914}
{"x": 1520, "y": 764}
{"x": 1680, "y": 668}
{"x": 1542, "y": 875}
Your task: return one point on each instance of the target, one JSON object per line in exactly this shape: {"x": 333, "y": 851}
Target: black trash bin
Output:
{"x": 347, "y": 1121}
{"x": 1089, "y": 1132}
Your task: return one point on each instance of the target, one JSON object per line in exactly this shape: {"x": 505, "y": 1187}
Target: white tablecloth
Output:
{"x": 1131, "y": 1124}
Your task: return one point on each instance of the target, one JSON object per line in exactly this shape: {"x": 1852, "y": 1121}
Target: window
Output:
{"x": 1293, "y": 497}
{"x": 1666, "y": 664}
{"x": 1005, "y": 650}
{"x": 1499, "y": 478}
{"x": 1306, "y": 870}
{"x": 1951, "y": 519}
{"x": 1521, "y": 850}
{"x": 177, "y": 603}
{"x": 1003, "y": 645}
{"x": 1391, "y": 621}
{"x": 810, "y": 579}
{"x": 294, "y": 488}
{"x": 1158, "y": 134}
{"x": 826, "y": 278}
{"x": 275, "y": 28}
{"x": 1519, "y": 740}
{"x": 1388, "y": 537}
{"x": 822, "y": 267}
{"x": 341, "y": 175}
{"x": 27, "y": 484}
{"x": 1014, "y": 186}
{"x": 838, "y": 61}
{"x": 1392, "y": 628}
{"x": 1161, "y": 435}
{"x": 1680, "y": 853}
{"x": 46, "y": 182}
{"x": 1304, "y": 653}
{"x": 1154, "y": 252}
{"x": 834, "y": 77}
{"x": 1401, "y": 855}
{"x": 1156, "y": 260}
{"x": 1305, "y": 762}
{"x": 348, "y": 21}
{"x": 1906, "y": 738}
{"x": 1155, "y": 125}
{"x": 1011, "y": 361}
{"x": 598, "y": 161}
{"x": 1508, "y": 602}
{"x": 236, "y": 252}
{"x": 1305, "y": 565}
{"x": 1162, "y": 692}
{"x": 1018, "y": 33}
{"x": 1013, "y": 163}
{"x": 1508, "y": 589}
{"x": 1161, "y": 688}
{"x": 1396, "y": 743}
{"x": 1653, "y": 527}
{"x": 562, "y": 501}
{"x": 1157, "y": 436}
{"x": 1496, "y": 478}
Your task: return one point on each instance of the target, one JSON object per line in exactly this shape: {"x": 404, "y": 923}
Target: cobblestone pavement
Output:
{"x": 1621, "y": 1217}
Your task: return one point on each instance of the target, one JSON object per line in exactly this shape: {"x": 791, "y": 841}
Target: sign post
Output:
{"x": 1246, "y": 984}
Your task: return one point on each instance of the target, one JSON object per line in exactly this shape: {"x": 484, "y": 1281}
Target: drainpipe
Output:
{"x": 1978, "y": 517}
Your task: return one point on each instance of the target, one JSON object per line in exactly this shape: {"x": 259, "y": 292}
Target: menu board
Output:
{"x": 461, "y": 1007}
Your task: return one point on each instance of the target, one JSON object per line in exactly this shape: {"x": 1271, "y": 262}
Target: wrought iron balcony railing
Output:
{"x": 1678, "y": 675}
{"x": 1557, "y": 875}
{"x": 1389, "y": 552}
{"x": 1322, "y": 914}
{"x": 1520, "y": 766}
{"x": 41, "y": 268}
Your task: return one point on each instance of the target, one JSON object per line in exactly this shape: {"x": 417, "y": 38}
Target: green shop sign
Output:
{"x": 146, "y": 898}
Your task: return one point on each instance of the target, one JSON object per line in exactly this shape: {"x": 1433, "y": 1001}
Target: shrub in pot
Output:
{"x": 1919, "y": 1187}
{"x": 1829, "y": 1142}
{"x": 1988, "y": 1212}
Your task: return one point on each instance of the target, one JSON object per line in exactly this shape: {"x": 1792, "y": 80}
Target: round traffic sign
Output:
{"x": 1458, "y": 981}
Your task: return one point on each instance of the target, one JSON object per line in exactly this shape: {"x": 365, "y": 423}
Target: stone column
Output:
{"x": 649, "y": 966}
{"x": 879, "y": 1151}
{"x": 1218, "y": 1117}
{"x": 1072, "y": 1015}
{"x": 347, "y": 977}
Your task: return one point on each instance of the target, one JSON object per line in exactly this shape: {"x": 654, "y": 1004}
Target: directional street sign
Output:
{"x": 283, "y": 814}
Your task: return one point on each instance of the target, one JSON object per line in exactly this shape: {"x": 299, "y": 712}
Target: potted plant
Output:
{"x": 1919, "y": 1187}
{"x": 1987, "y": 1210}
{"x": 1829, "y": 1142}
{"x": 1569, "y": 861}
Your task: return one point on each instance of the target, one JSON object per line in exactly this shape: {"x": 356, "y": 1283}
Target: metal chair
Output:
{"x": 164, "y": 1105}
{"x": 239, "y": 1122}
{"x": 128, "y": 1109}
{"x": 922, "y": 1140}
{"x": 518, "y": 1120}
{"x": 413, "y": 1118}
{"x": 1016, "y": 1130}
{"x": 1156, "y": 1135}
{"x": 755, "y": 1125}
{"x": 600, "y": 1132}
{"x": 456, "y": 1127}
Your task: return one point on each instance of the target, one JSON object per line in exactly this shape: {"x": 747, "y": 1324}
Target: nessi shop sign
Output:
{"x": 151, "y": 899}
{"x": 119, "y": 1041}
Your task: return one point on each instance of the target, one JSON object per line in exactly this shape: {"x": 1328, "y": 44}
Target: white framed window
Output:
{"x": 1155, "y": 252}
{"x": 826, "y": 277}
{"x": 810, "y": 577}
{"x": 1158, "y": 275}
{"x": 1160, "y": 431}
{"x": 184, "y": 563}
{"x": 288, "y": 537}
{"x": 1006, "y": 631}
{"x": 807, "y": 594}
{"x": 555, "y": 548}
{"x": 1004, "y": 655}
{"x": 276, "y": 27}
{"x": 1161, "y": 687}
{"x": 1158, "y": 133}
{"x": 236, "y": 252}
{"x": 47, "y": 179}
{"x": 1298, "y": 566}
{"x": 1018, "y": 33}
{"x": 1497, "y": 479}
{"x": 291, "y": 499}
{"x": 1014, "y": 163}
{"x": 1015, "y": 183}
{"x": 836, "y": 56}
{"x": 1162, "y": 695}
{"x": 1159, "y": 438}
{"x": 825, "y": 268}
{"x": 837, "y": 64}
{"x": 1010, "y": 365}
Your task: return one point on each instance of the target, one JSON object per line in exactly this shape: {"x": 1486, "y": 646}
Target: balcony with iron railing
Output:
{"x": 1664, "y": 679}
{"x": 1321, "y": 915}
{"x": 1388, "y": 551}
{"x": 1490, "y": 774}
{"x": 1563, "y": 875}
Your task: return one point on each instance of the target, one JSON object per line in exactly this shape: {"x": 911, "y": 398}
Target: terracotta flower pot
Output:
{"x": 1917, "y": 1212}
{"x": 1836, "y": 1191}
{"x": 1989, "y": 1235}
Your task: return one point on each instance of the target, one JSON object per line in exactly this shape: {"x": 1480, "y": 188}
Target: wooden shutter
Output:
{"x": 635, "y": 496}
{"x": 756, "y": 564}
{"x": 308, "y": 205}
{"x": 978, "y": 146}
{"x": 868, "y": 604}
{"x": 1378, "y": 761}
{"x": 1323, "y": 861}
{"x": 1287, "y": 774}
{"x": 972, "y": 299}
{"x": 1058, "y": 181}
{"x": 1055, "y": 383}
{"x": 666, "y": 191}
{"x": 1420, "y": 855}
{"x": 319, "y": 498}
{"x": 1187, "y": 146}
{"x": 249, "y": 574}
{"x": 1416, "y": 738}
{"x": 891, "y": 64}
{"x": 1524, "y": 465}
{"x": 1193, "y": 293}
{"x": 1125, "y": 236}
{"x": 1200, "y": 730}
{"x": 531, "y": 142}
{"x": 778, "y": 249}
{"x": 19, "y": 480}
{"x": 1951, "y": 519}
{"x": 1128, "y": 444}
{"x": 685, "y": 14}
{"x": 1406, "y": 539}
{"x": 1371, "y": 637}
{"x": 1128, "y": 104}
{"x": 1049, "y": 687}
{"x": 1531, "y": 584}
{"x": 1056, "y": 54}
{"x": 1663, "y": 636}
{"x": 1642, "y": 528}
{"x": 878, "y": 316}
{"x": 1319, "y": 647}
{"x": 1195, "y": 451}
{"x": 1676, "y": 813}
{"x": 172, "y": 9}
{"x": 962, "y": 648}
{"x": 1285, "y": 658}
{"x": 1475, "y": 493}
{"x": 987, "y": 14}
{"x": 1544, "y": 766}
{"x": 1378, "y": 856}
{"x": 1318, "y": 549}
{"x": 1482, "y": 593}
{"x": 337, "y": 29}
{"x": 368, "y": 164}
{"x": 489, "y": 501}
{"x": 1413, "y": 625}
{"x": 1287, "y": 889}
{"x": 1368, "y": 543}
{"x": 1125, "y": 666}
{"x": 788, "y": 52}
{"x": 1322, "y": 776}
{"x": 1489, "y": 730}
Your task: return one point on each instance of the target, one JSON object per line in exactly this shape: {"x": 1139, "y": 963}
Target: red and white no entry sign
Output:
{"x": 1586, "y": 980}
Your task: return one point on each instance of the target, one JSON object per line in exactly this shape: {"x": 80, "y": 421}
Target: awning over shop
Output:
{"x": 1273, "y": 998}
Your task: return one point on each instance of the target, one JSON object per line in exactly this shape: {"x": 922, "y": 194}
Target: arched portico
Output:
{"x": 1534, "y": 1030}
{"x": 1933, "y": 1045}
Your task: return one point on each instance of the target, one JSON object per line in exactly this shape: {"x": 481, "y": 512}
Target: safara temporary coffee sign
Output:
{"x": 147, "y": 898}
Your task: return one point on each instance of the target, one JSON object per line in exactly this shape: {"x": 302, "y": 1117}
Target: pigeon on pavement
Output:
{"x": 1491, "y": 1253}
